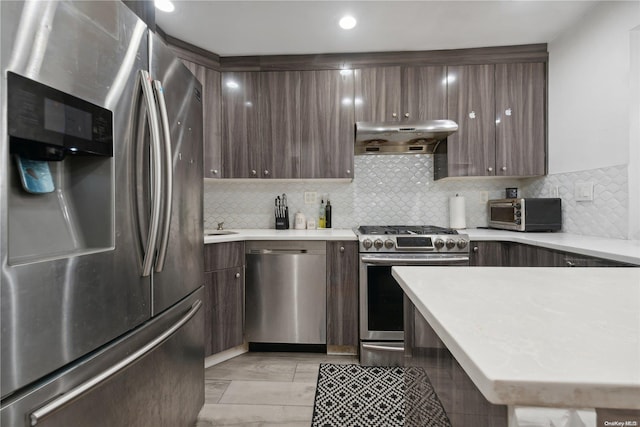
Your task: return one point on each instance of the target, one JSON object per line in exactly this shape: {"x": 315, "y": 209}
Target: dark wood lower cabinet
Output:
{"x": 342, "y": 296}
{"x": 224, "y": 293}
{"x": 224, "y": 296}
{"x": 508, "y": 254}
{"x": 462, "y": 400}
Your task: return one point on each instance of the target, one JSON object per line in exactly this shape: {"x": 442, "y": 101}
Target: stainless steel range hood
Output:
{"x": 401, "y": 137}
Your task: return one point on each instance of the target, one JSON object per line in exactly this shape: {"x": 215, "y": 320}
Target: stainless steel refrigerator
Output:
{"x": 100, "y": 221}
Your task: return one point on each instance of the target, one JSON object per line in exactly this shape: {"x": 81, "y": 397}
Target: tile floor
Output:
{"x": 263, "y": 389}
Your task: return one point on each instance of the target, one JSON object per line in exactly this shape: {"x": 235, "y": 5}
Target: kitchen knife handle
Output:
{"x": 168, "y": 177}
{"x": 46, "y": 410}
{"x": 156, "y": 173}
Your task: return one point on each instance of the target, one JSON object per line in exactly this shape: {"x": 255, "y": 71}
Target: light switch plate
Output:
{"x": 310, "y": 197}
{"x": 583, "y": 191}
{"x": 484, "y": 196}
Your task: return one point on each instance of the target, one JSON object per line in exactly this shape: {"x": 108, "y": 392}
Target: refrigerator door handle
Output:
{"x": 168, "y": 182}
{"x": 156, "y": 173}
{"x": 41, "y": 413}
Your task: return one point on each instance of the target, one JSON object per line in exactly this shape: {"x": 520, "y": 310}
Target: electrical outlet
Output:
{"x": 583, "y": 191}
{"x": 555, "y": 191}
{"x": 484, "y": 196}
{"x": 310, "y": 197}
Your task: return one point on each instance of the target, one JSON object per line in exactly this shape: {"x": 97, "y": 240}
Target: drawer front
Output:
{"x": 218, "y": 256}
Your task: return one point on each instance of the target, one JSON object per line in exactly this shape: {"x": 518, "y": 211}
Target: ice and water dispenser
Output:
{"x": 61, "y": 183}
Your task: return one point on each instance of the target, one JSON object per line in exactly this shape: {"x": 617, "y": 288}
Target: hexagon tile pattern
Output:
{"x": 400, "y": 189}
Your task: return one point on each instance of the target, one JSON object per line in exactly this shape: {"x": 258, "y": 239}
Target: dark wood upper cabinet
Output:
{"x": 520, "y": 119}
{"x": 424, "y": 93}
{"x": 377, "y": 94}
{"x": 242, "y": 146}
{"x": 212, "y": 114}
{"x": 326, "y": 122}
{"x": 471, "y": 100}
{"x": 500, "y": 111}
{"x": 279, "y": 115}
{"x": 408, "y": 93}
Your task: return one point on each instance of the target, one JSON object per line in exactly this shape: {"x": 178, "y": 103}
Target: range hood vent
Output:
{"x": 401, "y": 138}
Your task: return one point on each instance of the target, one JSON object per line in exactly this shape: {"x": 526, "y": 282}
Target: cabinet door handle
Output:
{"x": 342, "y": 249}
{"x": 475, "y": 249}
{"x": 507, "y": 112}
{"x": 266, "y": 172}
{"x": 237, "y": 275}
{"x": 214, "y": 171}
{"x": 254, "y": 172}
{"x": 348, "y": 171}
{"x": 472, "y": 115}
{"x": 490, "y": 169}
{"x": 570, "y": 263}
{"x": 504, "y": 168}
{"x": 406, "y": 115}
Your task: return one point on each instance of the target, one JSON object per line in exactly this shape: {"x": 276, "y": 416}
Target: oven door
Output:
{"x": 382, "y": 304}
{"x": 381, "y": 298}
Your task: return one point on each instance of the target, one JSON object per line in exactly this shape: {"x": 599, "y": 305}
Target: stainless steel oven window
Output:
{"x": 384, "y": 320}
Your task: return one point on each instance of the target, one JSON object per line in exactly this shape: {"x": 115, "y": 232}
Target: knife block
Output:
{"x": 282, "y": 222}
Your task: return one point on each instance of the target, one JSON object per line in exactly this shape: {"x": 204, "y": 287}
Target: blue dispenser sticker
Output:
{"x": 35, "y": 175}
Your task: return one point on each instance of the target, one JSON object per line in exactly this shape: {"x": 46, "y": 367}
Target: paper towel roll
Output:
{"x": 457, "y": 216}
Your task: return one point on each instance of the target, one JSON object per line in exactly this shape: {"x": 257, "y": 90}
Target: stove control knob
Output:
{"x": 367, "y": 243}
{"x": 462, "y": 244}
{"x": 378, "y": 243}
{"x": 450, "y": 243}
{"x": 439, "y": 243}
{"x": 389, "y": 244}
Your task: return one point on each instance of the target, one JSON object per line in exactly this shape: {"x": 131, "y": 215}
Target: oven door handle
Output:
{"x": 379, "y": 347}
{"x": 427, "y": 260}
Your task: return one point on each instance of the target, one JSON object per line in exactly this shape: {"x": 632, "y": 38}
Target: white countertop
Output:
{"x": 613, "y": 249}
{"x": 272, "y": 234}
{"x": 560, "y": 337}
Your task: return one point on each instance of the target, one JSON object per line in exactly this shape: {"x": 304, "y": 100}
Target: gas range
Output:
{"x": 411, "y": 239}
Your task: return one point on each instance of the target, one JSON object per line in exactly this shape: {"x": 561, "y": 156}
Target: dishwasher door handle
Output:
{"x": 278, "y": 251}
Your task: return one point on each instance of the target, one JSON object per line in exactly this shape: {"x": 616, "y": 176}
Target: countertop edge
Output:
{"x": 271, "y": 234}
{"x": 626, "y": 251}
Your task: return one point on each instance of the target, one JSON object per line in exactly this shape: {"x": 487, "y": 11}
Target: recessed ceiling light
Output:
{"x": 164, "y": 5}
{"x": 347, "y": 22}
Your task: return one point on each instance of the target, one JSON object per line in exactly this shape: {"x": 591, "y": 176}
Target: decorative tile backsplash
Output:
{"x": 401, "y": 190}
{"x": 385, "y": 190}
{"x": 606, "y": 215}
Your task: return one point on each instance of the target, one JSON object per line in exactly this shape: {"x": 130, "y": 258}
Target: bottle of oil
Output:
{"x": 327, "y": 214}
{"x": 321, "y": 213}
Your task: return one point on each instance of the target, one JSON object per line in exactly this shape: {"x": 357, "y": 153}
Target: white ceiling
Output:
{"x": 236, "y": 28}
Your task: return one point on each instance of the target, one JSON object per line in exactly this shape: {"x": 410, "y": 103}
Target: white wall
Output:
{"x": 589, "y": 90}
{"x": 634, "y": 136}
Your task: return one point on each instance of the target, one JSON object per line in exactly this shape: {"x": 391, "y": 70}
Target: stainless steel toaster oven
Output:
{"x": 526, "y": 214}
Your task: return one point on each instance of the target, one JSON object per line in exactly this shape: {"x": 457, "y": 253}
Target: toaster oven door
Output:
{"x": 504, "y": 214}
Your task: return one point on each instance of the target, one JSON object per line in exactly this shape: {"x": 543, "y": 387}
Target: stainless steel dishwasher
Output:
{"x": 286, "y": 292}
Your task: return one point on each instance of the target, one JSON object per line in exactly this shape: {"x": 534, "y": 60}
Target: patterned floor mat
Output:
{"x": 368, "y": 396}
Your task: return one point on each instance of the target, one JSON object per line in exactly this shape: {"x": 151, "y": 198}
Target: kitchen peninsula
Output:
{"x": 537, "y": 337}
